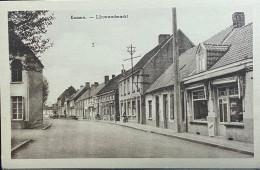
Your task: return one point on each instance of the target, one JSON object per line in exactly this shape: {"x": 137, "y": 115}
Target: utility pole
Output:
{"x": 131, "y": 50}
{"x": 177, "y": 97}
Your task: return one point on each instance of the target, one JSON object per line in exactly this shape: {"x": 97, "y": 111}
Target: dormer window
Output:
{"x": 201, "y": 58}
{"x": 209, "y": 54}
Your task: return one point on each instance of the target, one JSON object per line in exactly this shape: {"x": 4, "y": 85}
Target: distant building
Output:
{"x": 61, "y": 109}
{"x": 47, "y": 111}
{"x": 133, "y": 86}
{"x": 73, "y": 105}
{"x": 87, "y": 104}
{"x": 26, "y": 83}
{"x": 108, "y": 99}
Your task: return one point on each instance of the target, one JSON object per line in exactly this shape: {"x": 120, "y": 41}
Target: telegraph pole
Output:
{"x": 131, "y": 50}
{"x": 177, "y": 99}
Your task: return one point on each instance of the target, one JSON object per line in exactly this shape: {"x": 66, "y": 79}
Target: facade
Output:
{"x": 25, "y": 85}
{"x": 61, "y": 108}
{"x": 72, "y": 104}
{"x": 87, "y": 104}
{"x": 47, "y": 111}
{"x": 216, "y": 85}
{"x": 108, "y": 99}
{"x": 133, "y": 86}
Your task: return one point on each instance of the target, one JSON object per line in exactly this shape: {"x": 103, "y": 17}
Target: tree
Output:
{"x": 45, "y": 90}
{"x": 30, "y": 27}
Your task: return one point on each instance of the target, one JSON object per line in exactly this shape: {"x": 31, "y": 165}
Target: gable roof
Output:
{"x": 237, "y": 41}
{"x": 66, "y": 93}
{"x": 78, "y": 93}
{"x": 18, "y": 48}
{"x": 183, "y": 40}
{"x": 187, "y": 65}
{"x": 91, "y": 92}
{"x": 241, "y": 46}
{"x": 111, "y": 85}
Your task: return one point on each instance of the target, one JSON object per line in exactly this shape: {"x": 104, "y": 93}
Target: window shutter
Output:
{"x": 25, "y": 113}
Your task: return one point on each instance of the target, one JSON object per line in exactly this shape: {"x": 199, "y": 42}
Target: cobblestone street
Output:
{"x": 87, "y": 139}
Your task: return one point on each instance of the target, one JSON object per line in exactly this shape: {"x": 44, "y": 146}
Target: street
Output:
{"x": 89, "y": 139}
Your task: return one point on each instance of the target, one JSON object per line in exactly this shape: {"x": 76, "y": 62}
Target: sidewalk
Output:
{"x": 220, "y": 142}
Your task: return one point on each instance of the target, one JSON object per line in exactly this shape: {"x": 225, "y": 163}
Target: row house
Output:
{"x": 26, "y": 85}
{"x": 61, "y": 101}
{"x": 72, "y": 105}
{"x": 216, "y": 87}
{"x": 87, "y": 105}
{"x": 108, "y": 99}
{"x": 136, "y": 81}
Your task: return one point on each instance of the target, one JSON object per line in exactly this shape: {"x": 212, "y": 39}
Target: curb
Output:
{"x": 192, "y": 140}
{"x": 20, "y": 145}
{"x": 46, "y": 127}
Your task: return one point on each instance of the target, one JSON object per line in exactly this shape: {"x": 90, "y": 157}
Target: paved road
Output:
{"x": 85, "y": 139}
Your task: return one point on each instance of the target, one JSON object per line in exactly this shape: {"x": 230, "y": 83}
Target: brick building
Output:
{"x": 61, "y": 100}
{"x": 133, "y": 86}
{"x": 216, "y": 85}
{"x": 87, "y": 103}
{"x": 108, "y": 99}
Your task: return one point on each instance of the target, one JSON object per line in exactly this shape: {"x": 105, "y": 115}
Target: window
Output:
{"x": 133, "y": 108}
{"x": 129, "y": 108}
{"x": 122, "y": 107}
{"x": 150, "y": 108}
{"x": 16, "y": 71}
{"x": 201, "y": 58}
{"x": 200, "y": 106}
{"x": 128, "y": 86}
{"x": 229, "y": 104}
{"x": 17, "y": 107}
{"x": 171, "y": 106}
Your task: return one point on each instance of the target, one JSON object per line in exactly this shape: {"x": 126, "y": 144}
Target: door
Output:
{"x": 165, "y": 111}
{"x": 157, "y": 111}
{"x": 222, "y": 105}
{"x": 138, "y": 111}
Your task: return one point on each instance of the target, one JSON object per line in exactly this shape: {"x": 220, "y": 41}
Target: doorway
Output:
{"x": 157, "y": 111}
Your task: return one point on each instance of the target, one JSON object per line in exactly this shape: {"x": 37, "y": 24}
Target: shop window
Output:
{"x": 150, "y": 108}
{"x": 200, "y": 105}
{"x": 230, "y": 105}
{"x": 17, "y": 107}
{"x": 129, "y": 108}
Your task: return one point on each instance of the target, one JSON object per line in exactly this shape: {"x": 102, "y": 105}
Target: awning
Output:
{"x": 224, "y": 80}
{"x": 195, "y": 86}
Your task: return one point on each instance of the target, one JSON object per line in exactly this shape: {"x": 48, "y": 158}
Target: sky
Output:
{"x": 72, "y": 60}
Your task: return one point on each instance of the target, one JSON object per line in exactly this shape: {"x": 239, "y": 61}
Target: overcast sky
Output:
{"x": 73, "y": 61}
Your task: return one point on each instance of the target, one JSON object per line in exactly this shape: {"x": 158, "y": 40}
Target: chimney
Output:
{"x": 96, "y": 84}
{"x": 113, "y": 76}
{"x": 163, "y": 37}
{"x": 106, "y": 79}
{"x": 81, "y": 86}
{"x": 87, "y": 84}
{"x": 238, "y": 19}
{"x": 123, "y": 71}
